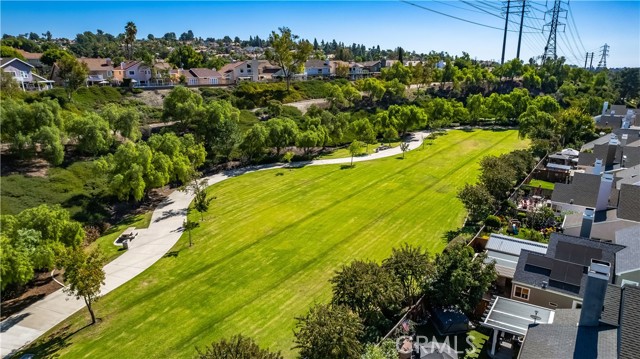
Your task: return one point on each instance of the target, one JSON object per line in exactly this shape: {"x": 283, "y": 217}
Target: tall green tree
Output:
{"x": 328, "y": 332}
{"x": 289, "y": 52}
{"x": 182, "y": 105}
{"x": 461, "y": 277}
{"x": 185, "y": 57}
{"x": 356, "y": 148}
{"x": 370, "y": 291}
{"x": 255, "y": 141}
{"x": 477, "y": 200}
{"x": 73, "y": 73}
{"x": 411, "y": 267}
{"x": 130, "y": 32}
{"x": 281, "y": 132}
{"x": 84, "y": 275}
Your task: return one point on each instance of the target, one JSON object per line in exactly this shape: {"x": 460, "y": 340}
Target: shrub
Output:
{"x": 493, "y": 222}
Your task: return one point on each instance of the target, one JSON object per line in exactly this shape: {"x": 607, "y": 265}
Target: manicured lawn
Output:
{"x": 344, "y": 152}
{"x": 542, "y": 184}
{"x": 269, "y": 245}
{"x": 105, "y": 243}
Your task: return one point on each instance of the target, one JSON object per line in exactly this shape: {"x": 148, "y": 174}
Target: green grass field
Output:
{"x": 542, "y": 184}
{"x": 344, "y": 152}
{"x": 105, "y": 242}
{"x": 269, "y": 245}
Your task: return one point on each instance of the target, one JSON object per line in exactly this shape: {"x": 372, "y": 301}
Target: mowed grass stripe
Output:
{"x": 255, "y": 267}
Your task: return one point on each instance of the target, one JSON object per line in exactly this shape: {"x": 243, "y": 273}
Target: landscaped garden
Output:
{"x": 269, "y": 244}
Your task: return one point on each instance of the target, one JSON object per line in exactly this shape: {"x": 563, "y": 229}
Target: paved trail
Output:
{"x": 149, "y": 246}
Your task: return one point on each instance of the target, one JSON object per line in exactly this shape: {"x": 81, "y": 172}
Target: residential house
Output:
{"x": 134, "y": 72}
{"x": 252, "y": 70}
{"x": 372, "y": 67}
{"x": 318, "y": 68}
{"x": 557, "y": 279}
{"x": 357, "y": 71}
{"x": 101, "y": 71}
{"x": 32, "y": 58}
{"x": 505, "y": 251}
{"x": 606, "y": 326}
{"x": 559, "y": 166}
{"x": 24, "y": 75}
{"x": 201, "y": 76}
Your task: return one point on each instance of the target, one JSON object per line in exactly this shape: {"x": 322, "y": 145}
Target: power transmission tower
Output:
{"x": 604, "y": 53}
{"x": 524, "y": 6}
{"x": 586, "y": 59}
{"x": 550, "y": 49}
{"x": 506, "y": 25}
{"x": 591, "y": 62}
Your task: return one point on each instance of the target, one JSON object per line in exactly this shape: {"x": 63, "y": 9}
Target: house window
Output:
{"x": 319, "y": 71}
{"x": 241, "y": 71}
{"x": 24, "y": 74}
{"x": 132, "y": 72}
{"x": 109, "y": 73}
{"x": 521, "y": 292}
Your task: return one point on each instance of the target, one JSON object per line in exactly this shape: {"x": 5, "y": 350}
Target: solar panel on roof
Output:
{"x": 566, "y": 272}
{"x": 539, "y": 261}
{"x": 576, "y": 253}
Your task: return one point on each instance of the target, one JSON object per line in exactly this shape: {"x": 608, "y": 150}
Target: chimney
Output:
{"x": 623, "y": 139}
{"x": 254, "y": 69}
{"x": 587, "y": 222}
{"x": 594, "y": 293}
{"x": 613, "y": 140}
{"x": 122, "y": 65}
{"x": 604, "y": 192}
{"x": 605, "y": 106}
{"x": 597, "y": 167}
{"x": 108, "y": 61}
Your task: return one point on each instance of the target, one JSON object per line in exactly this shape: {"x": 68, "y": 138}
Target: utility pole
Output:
{"x": 591, "y": 62}
{"x": 604, "y": 53}
{"x": 524, "y": 5}
{"x": 550, "y": 49}
{"x": 506, "y": 25}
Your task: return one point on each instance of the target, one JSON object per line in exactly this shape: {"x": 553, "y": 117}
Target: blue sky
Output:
{"x": 387, "y": 23}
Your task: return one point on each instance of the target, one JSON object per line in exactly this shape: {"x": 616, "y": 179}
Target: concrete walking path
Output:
{"x": 149, "y": 246}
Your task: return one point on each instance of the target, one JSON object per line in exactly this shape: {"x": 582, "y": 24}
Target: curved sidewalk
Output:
{"x": 149, "y": 246}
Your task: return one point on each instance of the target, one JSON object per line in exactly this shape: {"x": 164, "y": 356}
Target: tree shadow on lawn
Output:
{"x": 172, "y": 254}
{"x": 52, "y": 344}
{"x": 347, "y": 167}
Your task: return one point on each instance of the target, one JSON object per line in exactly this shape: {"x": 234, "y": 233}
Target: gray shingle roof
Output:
{"x": 530, "y": 274}
{"x": 629, "y": 202}
{"x": 561, "y": 341}
{"x": 630, "y": 322}
{"x": 582, "y": 191}
{"x": 627, "y": 259}
{"x": 611, "y": 308}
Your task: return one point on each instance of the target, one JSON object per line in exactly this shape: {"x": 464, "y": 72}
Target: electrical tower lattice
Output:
{"x": 550, "y": 49}
{"x": 604, "y": 53}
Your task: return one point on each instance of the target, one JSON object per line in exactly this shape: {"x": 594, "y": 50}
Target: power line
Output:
{"x": 453, "y": 17}
{"x": 456, "y": 6}
{"x": 573, "y": 21}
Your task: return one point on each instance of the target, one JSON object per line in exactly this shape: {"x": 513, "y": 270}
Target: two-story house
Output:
{"x": 100, "y": 70}
{"x": 557, "y": 278}
{"x": 23, "y": 74}
{"x": 135, "y": 72}
{"x": 201, "y": 76}
{"x": 318, "y": 68}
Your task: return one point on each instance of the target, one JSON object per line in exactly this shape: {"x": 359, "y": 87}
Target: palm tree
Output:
{"x": 130, "y": 32}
